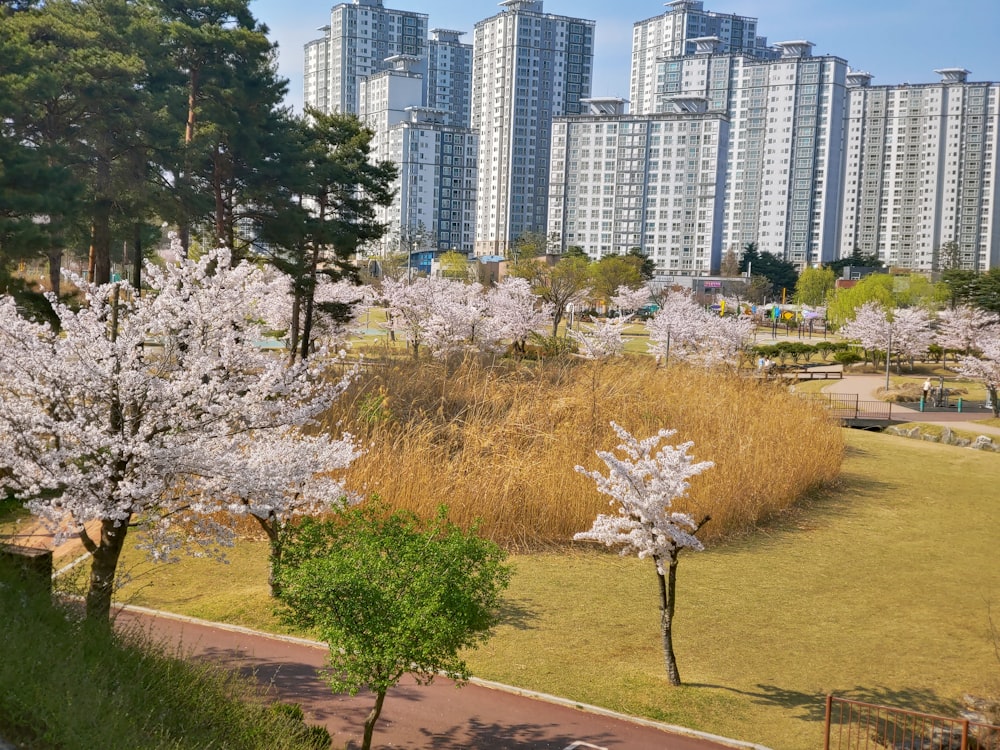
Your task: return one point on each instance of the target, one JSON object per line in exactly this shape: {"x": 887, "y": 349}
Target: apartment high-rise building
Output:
{"x": 784, "y": 163}
{"x": 361, "y": 35}
{"x": 673, "y": 34}
{"x": 921, "y": 172}
{"x": 654, "y": 182}
{"x": 436, "y": 201}
{"x": 449, "y": 75}
{"x": 528, "y": 67}
{"x": 316, "y": 73}
{"x": 435, "y": 193}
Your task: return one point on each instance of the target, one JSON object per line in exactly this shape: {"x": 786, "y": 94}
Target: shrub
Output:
{"x": 847, "y": 357}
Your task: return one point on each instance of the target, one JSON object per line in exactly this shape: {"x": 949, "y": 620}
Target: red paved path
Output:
{"x": 440, "y": 716}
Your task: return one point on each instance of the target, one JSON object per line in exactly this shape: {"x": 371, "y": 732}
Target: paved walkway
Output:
{"x": 866, "y": 386}
{"x": 441, "y": 716}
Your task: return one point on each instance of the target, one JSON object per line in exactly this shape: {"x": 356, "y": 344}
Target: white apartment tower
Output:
{"x": 449, "y": 75}
{"x": 528, "y": 67}
{"x": 921, "y": 165}
{"x": 437, "y": 182}
{"x": 362, "y": 34}
{"x": 673, "y": 34}
{"x": 784, "y": 166}
{"x": 620, "y": 181}
{"x": 435, "y": 193}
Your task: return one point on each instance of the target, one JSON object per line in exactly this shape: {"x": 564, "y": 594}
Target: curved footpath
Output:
{"x": 866, "y": 387}
{"x": 479, "y": 716}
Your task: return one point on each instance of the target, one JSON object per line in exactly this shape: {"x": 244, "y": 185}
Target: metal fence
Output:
{"x": 849, "y": 407}
{"x": 853, "y": 725}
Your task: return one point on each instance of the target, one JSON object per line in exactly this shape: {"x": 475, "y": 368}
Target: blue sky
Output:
{"x": 899, "y": 41}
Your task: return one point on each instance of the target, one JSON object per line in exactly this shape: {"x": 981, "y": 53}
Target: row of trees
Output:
{"x": 817, "y": 286}
{"x": 123, "y": 115}
{"x": 447, "y": 316}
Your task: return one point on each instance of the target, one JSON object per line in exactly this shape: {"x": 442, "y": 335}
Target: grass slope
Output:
{"x": 66, "y": 685}
{"x": 878, "y": 590}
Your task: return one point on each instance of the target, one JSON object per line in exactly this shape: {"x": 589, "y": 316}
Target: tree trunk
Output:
{"x": 310, "y": 301}
{"x": 102, "y": 570}
{"x": 217, "y": 193}
{"x": 101, "y": 240}
{"x": 137, "y": 258}
{"x": 992, "y": 390}
{"x": 668, "y": 586}
{"x": 293, "y": 327}
{"x": 55, "y": 270}
{"x": 376, "y": 711}
{"x": 273, "y": 530}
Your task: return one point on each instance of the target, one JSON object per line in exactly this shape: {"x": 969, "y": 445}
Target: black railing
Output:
{"x": 850, "y": 407}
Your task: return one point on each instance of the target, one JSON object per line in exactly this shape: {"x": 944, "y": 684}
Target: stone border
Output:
{"x": 947, "y": 437}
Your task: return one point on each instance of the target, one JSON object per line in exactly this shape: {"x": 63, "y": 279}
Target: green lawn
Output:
{"x": 878, "y": 590}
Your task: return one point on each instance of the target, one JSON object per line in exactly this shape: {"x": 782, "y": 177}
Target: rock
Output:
{"x": 961, "y": 442}
{"x": 977, "y": 703}
{"x": 930, "y": 438}
{"x": 983, "y": 443}
{"x": 947, "y": 436}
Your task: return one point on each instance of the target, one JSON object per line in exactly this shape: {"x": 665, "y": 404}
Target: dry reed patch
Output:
{"x": 498, "y": 442}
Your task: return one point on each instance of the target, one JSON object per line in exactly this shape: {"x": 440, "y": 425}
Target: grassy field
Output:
{"x": 878, "y": 589}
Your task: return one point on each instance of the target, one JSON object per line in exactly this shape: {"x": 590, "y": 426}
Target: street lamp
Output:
{"x": 888, "y": 358}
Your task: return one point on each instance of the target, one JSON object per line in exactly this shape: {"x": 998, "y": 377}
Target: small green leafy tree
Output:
{"x": 391, "y": 594}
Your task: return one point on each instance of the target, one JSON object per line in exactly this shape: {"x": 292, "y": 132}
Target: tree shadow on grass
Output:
{"x": 817, "y": 509}
{"x": 515, "y": 614}
{"x": 810, "y": 706}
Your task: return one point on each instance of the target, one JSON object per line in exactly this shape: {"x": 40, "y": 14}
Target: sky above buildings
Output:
{"x": 898, "y": 41}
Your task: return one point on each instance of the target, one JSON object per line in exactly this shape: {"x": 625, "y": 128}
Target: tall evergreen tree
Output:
{"x": 331, "y": 189}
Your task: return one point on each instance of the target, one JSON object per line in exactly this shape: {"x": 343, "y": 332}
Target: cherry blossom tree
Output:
{"x": 985, "y": 366}
{"x": 729, "y": 339}
{"x": 443, "y": 314}
{"x": 628, "y": 300}
{"x": 642, "y": 486}
{"x": 162, "y": 413}
{"x": 964, "y": 328}
{"x": 677, "y": 327}
{"x": 338, "y": 310}
{"x": 911, "y": 333}
{"x": 449, "y": 316}
{"x": 604, "y": 340}
{"x": 905, "y": 332}
{"x": 869, "y": 327}
{"x": 514, "y": 312}
{"x": 683, "y": 328}
{"x": 457, "y": 321}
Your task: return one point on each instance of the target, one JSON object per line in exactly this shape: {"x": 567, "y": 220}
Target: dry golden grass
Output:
{"x": 498, "y": 442}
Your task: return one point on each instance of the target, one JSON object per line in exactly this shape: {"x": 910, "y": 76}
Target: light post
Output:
{"x": 888, "y": 358}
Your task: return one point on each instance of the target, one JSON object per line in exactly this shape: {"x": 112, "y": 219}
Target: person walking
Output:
{"x": 927, "y": 390}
